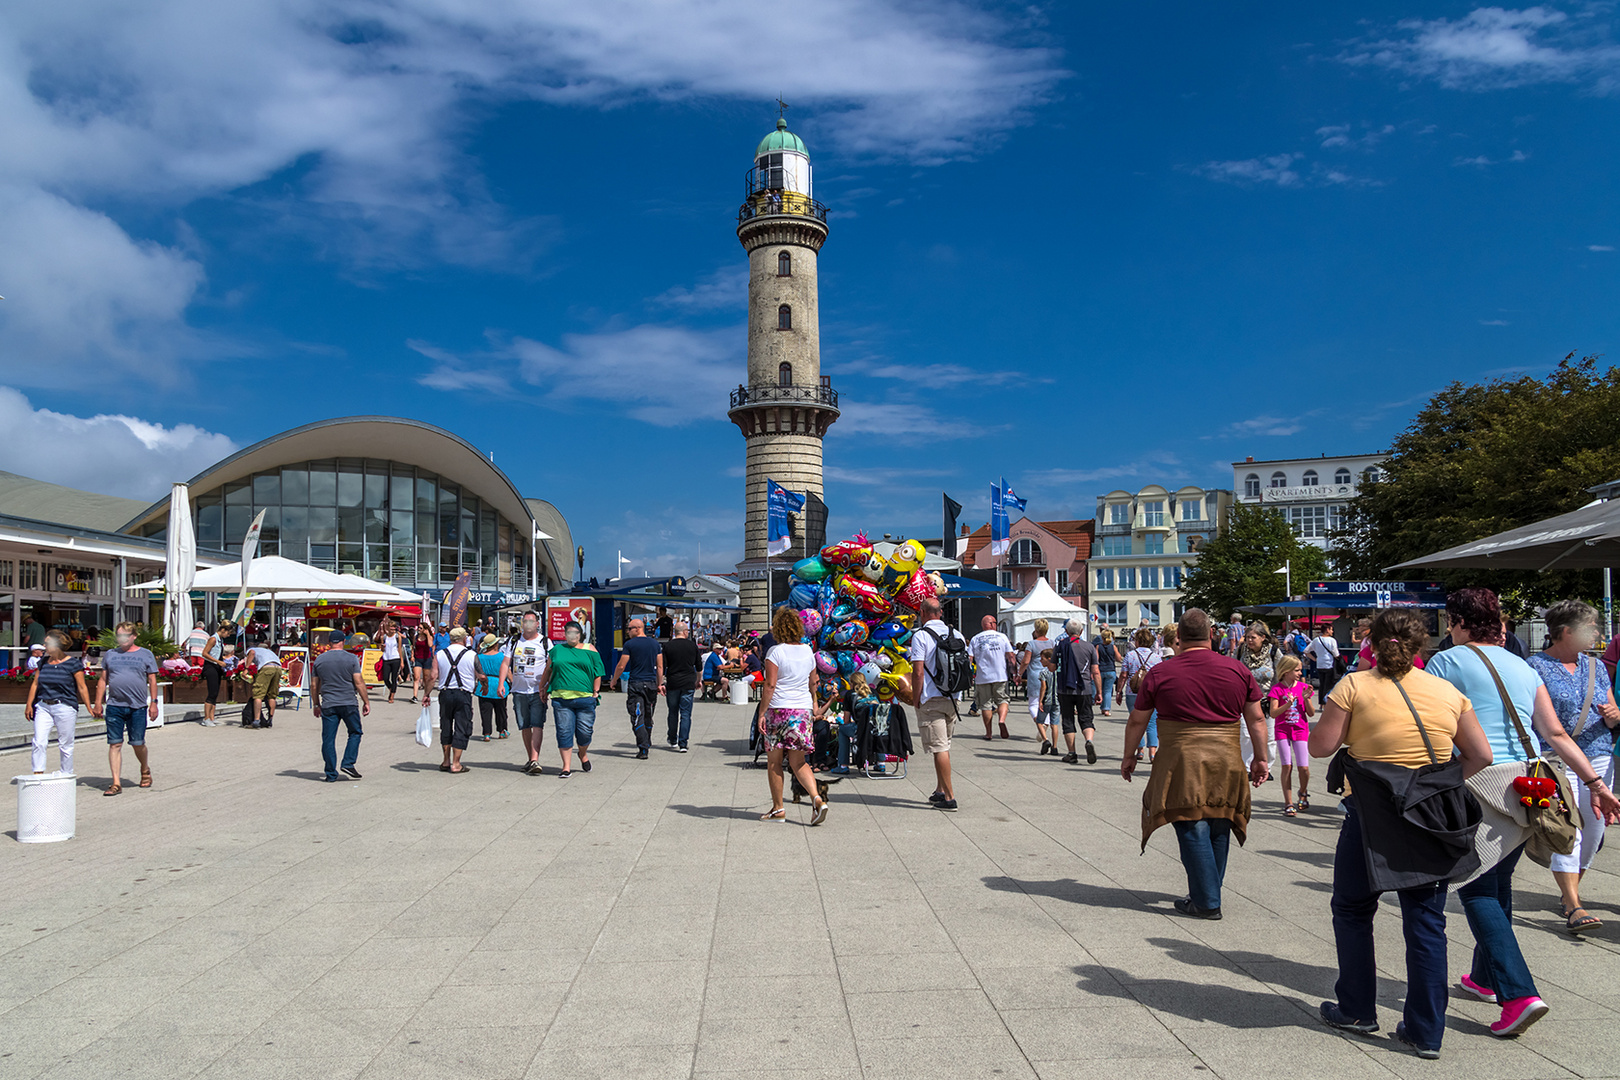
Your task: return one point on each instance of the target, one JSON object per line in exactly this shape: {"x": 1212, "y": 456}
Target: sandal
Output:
{"x": 1304, "y": 801}
{"x": 775, "y": 815}
{"x": 1290, "y": 810}
{"x": 1588, "y": 921}
{"x": 146, "y": 779}
{"x": 821, "y": 812}
{"x": 114, "y": 790}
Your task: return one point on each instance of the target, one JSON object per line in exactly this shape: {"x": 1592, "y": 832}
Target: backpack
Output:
{"x": 1141, "y": 672}
{"x": 953, "y": 670}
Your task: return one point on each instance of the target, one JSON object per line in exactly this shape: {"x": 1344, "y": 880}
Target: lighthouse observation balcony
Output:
{"x": 822, "y": 396}
{"x": 770, "y": 203}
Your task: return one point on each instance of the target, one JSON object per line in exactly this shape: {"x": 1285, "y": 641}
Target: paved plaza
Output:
{"x": 243, "y": 919}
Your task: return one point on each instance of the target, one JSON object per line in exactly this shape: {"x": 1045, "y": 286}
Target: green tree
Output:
{"x": 1481, "y": 458}
{"x": 1239, "y": 567}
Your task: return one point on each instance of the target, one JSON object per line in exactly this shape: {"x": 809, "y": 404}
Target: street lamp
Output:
{"x": 534, "y": 557}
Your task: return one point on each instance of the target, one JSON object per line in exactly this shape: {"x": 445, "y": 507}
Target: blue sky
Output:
{"x": 1084, "y": 247}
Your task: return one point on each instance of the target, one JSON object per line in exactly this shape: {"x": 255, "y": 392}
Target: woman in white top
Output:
{"x": 784, "y": 712}
{"x": 393, "y": 645}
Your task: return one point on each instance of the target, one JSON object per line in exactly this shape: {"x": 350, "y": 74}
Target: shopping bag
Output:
{"x": 424, "y": 727}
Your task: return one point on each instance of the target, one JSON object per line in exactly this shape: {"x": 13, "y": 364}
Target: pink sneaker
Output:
{"x": 1468, "y": 984}
{"x": 1519, "y": 1014}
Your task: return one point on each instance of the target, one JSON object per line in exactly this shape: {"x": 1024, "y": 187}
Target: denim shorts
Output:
{"x": 576, "y": 717}
{"x": 132, "y": 717}
{"x": 530, "y": 709}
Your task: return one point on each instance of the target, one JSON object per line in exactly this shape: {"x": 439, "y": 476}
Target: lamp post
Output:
{"x": 534, "y": 557}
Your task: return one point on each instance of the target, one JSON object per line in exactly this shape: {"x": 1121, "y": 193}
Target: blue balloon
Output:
{"x": 888, "y": 631}
{"x": 843, "y": 611}
{"x": 802, "y": 595}
{"x": 811, "y": 569}
{"x": 846, "y": 662}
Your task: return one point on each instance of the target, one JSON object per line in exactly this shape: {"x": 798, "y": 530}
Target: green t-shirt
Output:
{"x": 574, "y": 671}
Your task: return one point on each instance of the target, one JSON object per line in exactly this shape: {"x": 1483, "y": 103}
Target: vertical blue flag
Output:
{"x": 1008, "y": 499}
{"x": 1002, "y": 500}
{"x": 779, "y": 502}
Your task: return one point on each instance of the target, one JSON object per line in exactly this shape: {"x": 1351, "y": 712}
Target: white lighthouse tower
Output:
{"x": 787, "y": 405}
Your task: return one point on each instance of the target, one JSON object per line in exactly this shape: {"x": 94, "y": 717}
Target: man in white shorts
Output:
{"x": 990, "y": 649}
{"x": 936, "y": 710}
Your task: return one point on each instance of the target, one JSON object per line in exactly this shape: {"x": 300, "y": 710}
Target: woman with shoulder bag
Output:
{"x": 1260, "y": 654}
{"x": 1144, "y": 654}
{"x": 1504, "y": 690}
{"x": 1398, "y": 728}
{"x": 1584, "y": 701}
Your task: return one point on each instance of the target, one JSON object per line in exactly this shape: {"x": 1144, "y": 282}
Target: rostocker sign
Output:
{"x": 1329, "y": 588}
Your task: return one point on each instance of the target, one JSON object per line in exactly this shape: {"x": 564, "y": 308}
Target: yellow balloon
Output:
{"x": 908, "y": 556}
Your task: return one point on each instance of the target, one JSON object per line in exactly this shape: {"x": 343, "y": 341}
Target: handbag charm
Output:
{"x": 1535, "y": 791}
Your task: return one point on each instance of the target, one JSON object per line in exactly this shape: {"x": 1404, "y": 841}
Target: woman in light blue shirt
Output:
{"x": 1573, "y": 678}
{"x": 1500, "y": 974}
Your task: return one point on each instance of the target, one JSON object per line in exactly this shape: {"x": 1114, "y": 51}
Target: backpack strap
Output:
{"x": 1507, "y": 702}
{"x": 1423, "y": 731}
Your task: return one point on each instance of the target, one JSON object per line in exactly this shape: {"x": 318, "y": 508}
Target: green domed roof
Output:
{"x": 781, "y": 139}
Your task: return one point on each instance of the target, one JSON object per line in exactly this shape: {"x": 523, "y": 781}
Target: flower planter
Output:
{"x": 13, "y": 693}
{"x": 186, "y": 692}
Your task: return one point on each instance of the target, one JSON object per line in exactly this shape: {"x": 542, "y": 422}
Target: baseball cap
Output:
{"x": 336, "y": 637}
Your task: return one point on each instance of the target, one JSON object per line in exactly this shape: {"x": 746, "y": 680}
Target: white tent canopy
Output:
{"x": 274, "y": 574}
{"x": 1043, "y": 602}
{"x": 357, "y": 588}
{"x": 931, "y": 561}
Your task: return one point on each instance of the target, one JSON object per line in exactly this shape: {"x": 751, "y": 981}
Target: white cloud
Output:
{"x": 1494, "y": 322}
{"x": 1267, "y": 425}
{"x": 726, "y": 288}
{"x": 111, "y": 454}
{"x": 1277, "y": 169}
{"x": 663, "y": 375}
{"x": 1599, "y": 247}
{"x": 1481, "y": 161}
{"x": 1341, "y": 136}
{"x": 1494, "y": 48}
{"x": 348, "y": 121}
{"x": 934, "y": 374}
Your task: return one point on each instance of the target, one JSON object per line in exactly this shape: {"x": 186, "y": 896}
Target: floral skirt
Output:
{"x": 789, "y": 729}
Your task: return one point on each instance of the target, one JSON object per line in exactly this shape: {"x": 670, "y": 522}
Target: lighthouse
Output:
{"x": 787, "y": 405}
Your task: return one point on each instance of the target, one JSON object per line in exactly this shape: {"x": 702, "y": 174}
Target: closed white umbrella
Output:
{"x": 181, "y": 568}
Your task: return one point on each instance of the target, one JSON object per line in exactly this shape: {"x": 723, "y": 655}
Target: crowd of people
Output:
{"x": 1485, "y": 740}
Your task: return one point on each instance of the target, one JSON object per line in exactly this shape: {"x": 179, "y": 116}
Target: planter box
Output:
{"x": 187, "y": 693}
{"x": 13, "y": 693}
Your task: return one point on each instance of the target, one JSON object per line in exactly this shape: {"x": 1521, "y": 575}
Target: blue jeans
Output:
{"x": 1487, "y": 902}
{"x": 576, "y": 718}
{"x": 1423, "y": 920}
{"x": 530, "y": 710}
{"x": 132, "y": 717}
{"x": 1204, "y": 845}
{"x": 846, "y": 739}
{"x": 331, "y": 716}
{"x": 1152, "y": 736}
{"x": 1106, "y": 698}
{"x": 679, "y": 703}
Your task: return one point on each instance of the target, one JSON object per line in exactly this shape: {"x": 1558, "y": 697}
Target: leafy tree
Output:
{"x": 1481, "y": 458}
{"x": 1238, "y": 567}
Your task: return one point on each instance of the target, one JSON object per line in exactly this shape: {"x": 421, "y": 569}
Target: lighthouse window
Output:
{"x": 784, "y": 318}
{"x": 784, "y": 375}
{"x": 784, "y": 264}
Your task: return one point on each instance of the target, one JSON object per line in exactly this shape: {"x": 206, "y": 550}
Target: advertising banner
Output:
{"x": 455, "y": 605}
{"x": 561, "y": 610}
{"x": 294, "y": 659}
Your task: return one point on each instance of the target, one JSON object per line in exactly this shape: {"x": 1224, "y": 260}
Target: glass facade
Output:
{"x": 381, "y": 519}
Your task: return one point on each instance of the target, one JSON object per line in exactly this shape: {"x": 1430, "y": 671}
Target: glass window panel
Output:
{"x": 377, "y": 561}
{"x": 267, "y": 489}
{"x": 427, "y": 498}
{"x": 237, "y": 520}
{"x": 376, "y": 491}
{"x": 449, "y": 519}
{"x": 400, "y": 532}
{"x": 271, "y": 530}
{"x": 427, "y": 564}
{"x": 238, "y": 494}
{"x": 403, "y": 571}
{"x": 427, "y": 529}
{"x": 399, "y": 491}
{"x": 1153, "y": 544}
{"x": 486, "y": 536}
{"x": 295, "y": 486}
{"x": 350, "y": 525}
{"x": 449, "y": 565}
{"x": 1150, "y": 577}
{"x": 1127, "y": 577}
{"x": 351, "y": 558}
{"x": 349, "y": 487}
{"x": 506, "y": 532}
{"x": 322, "y": 525}
{"x": 295, "y": 532}
{"x": 322, "y": 484}
{"x": 210, "y": 524}
{"x": 376, "y": 526}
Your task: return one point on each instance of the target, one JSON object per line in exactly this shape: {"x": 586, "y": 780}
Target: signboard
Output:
{"x": 489, "y": 597}
{"x": 370, "y": 662}
{"x": 294, "y": 662}
{"x": 355, "y": 611}
{"x": 561, "y": 610}
{"x": 1309, "y": 492}
{"x": 1420, "y": 588}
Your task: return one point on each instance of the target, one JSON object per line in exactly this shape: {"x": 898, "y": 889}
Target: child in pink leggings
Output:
{"x": 1290, "y": 713}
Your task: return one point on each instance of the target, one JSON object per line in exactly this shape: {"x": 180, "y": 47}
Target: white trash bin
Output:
{"x": 739, "y": 691}
{"x": 47, "y": 807}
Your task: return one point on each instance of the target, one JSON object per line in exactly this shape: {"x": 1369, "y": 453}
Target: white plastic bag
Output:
{"x": 424, "y": 727}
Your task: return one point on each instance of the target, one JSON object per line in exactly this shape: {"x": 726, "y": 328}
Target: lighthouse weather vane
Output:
{"x": 781, "y": 108}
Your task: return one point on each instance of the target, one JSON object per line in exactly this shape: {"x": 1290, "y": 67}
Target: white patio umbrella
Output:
{"x": 181, "y": 565}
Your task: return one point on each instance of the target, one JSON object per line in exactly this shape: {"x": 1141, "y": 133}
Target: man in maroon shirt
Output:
{"x": 1199, "y": 784}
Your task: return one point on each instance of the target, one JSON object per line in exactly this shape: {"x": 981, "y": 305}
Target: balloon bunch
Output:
{"x": 859, "y": 612}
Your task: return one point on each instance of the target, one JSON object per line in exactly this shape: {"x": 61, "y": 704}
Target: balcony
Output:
{"x": 1122, "y": 529}
{"x": 790, "y": 203}
{"x": 823, "y": 396}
